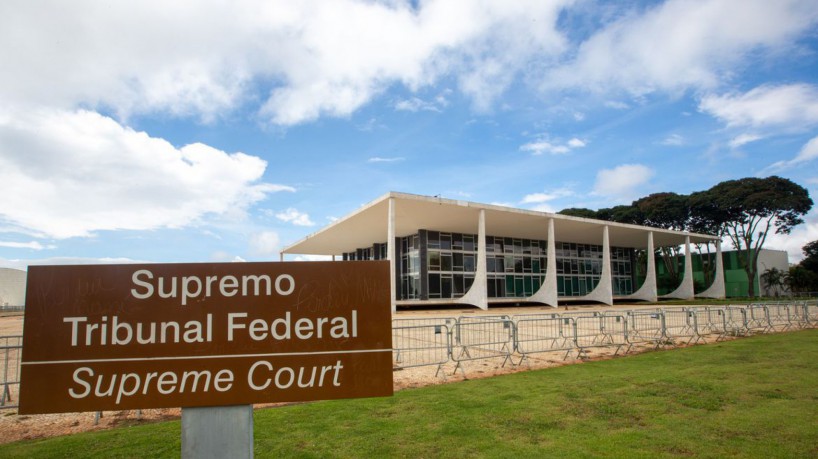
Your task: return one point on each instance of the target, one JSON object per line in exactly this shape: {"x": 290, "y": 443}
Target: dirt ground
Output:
{"x": 15, "y": 427}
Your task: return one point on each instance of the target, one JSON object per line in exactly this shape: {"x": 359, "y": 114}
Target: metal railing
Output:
{"x": 11, "y": 348}
{"x": 421, "y": 345}
{"x": 475, "y": 339}
{"x": 500, "y": 336}
{"x": 438, "y": 341}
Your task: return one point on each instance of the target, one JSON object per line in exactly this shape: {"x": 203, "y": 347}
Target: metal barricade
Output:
{"x": 421, "y": 345}
{"x": 798, "y": 317}
{"x": 482, "y": 339}
{"x": 646, "y": 327}
{"x": 10, "y": 351}
{"x": 418, "y": 321}
{"x": 709, "y": 320}
{"x": 779, "y": 317}
{"x": 811, "y": 313}
{"x": 681, "y": 323}
{"x": 735, "y": 322}
{"x": 544, "y": 334}
{"x": 600, "y": 331}
{"x": 758, "y": 318}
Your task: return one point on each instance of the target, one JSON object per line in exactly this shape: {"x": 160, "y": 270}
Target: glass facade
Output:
{"x": 515, "y": 267}
{"x": 441, "y": 265}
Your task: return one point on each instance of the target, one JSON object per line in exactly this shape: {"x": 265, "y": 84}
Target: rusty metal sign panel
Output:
{"x": 117, "y": 337}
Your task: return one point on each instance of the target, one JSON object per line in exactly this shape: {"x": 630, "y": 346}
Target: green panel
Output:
{"x": 735, "y": 275}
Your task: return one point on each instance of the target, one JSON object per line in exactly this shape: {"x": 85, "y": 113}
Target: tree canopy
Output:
{"x": 746, "y": 210}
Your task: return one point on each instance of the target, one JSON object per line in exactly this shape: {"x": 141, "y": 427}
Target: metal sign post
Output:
{"x": 217, "y": 432}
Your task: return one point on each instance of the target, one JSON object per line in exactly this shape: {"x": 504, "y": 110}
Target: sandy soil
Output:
{"x": 15, "y": 427}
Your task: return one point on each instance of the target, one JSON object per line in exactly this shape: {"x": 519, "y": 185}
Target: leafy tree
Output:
{"x": 773, "y": 279}
{"x": 668, "y": 211}
{"x": 705, "y": 218}
{"x": 747, "y": 210}
{"x": 627, "y": 214}
{"x": 800, "y": 280}
{"x": 578, "y": 212}
{"x": 810, "y": 261}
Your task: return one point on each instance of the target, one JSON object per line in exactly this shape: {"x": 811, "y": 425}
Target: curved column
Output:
{"x": 390, "y": 254}
{"x": 648, "y": 292}
{"x": 604, "y": 290}
{"x": 478, "y": 292}
{"x": 717, "y": 289}
{"x": 547, "y": 293}
{"x": 685, "y": 290}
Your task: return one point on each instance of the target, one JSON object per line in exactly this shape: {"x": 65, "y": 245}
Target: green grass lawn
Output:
{"x": 753, "y": 397}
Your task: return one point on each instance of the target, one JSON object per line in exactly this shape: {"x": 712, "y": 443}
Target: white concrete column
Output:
{"x": 478, "y": 293}
{"x": 604, "y": 290}
{"x": 390, "y": 254}
{"x": 648, "y": 292}
{"x": 717, "y": 289}
{"x": 547, "y": 294}
{"x": 685, "y": 290}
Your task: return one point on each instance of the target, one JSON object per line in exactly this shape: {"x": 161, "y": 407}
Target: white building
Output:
{"x": 446, "y": 251}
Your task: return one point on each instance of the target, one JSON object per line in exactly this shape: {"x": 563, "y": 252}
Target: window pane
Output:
{"x": 434, "y": 285}
{"x": 468, "y": 263}
{"x": 446, "y": 287}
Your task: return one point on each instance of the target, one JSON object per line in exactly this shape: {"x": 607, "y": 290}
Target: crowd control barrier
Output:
{"x": 438, "y": 341}
{"x": 10, "y": 351}
{"x": 476, "y": 338}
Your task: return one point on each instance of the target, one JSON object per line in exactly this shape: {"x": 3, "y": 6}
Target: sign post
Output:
{"x": 118, "y": 337}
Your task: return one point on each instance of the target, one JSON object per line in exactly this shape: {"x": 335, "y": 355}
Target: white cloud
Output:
{"x": 318, "y": 57}
{"x": 789, "y": 106}
{"x": 743, "y": 139}
{"x": 33, "y": 245}
{"x": 808, "y": 153}
{"x": 295, "y": 217}
{"x": 25, "y": 263}
{"x": 576, "y": 143}
{"x": 622, "y": 183}
{"x": 673, "y": 140}
{"x": 797, "y": 239}
{"x": 415, "y": 104}
{"x": 617, "y": 105}
{"x": 680, "y": 44}
{"x": 378, "y": 159}
{"x": 539, "y": 198}
{"x": 71, "y": 173}
{"x": 546, "y": 146}
{"x": 264, "y": 243}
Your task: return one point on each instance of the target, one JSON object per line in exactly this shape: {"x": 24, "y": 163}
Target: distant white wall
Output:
{"x": 768, "y": 259}
{"x": 12, "y": 287}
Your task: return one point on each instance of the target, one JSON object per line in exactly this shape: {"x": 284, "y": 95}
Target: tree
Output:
{"x": 668, "y": 211}
{"x": 748, "y": 209}
{"x": 773, "y": 279}
{"x": 800, "y": 280}
{"x": 578, "y": 212}
{"x": 705, "y": 218}
{"x": 810, "y": 260}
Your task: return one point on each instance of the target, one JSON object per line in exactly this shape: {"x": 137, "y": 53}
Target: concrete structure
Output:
{"x": 12, "y": 287}
{"x": 446, "y": 251}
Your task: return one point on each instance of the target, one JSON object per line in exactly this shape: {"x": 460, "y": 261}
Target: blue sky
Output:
{"x": 219, "y": 131}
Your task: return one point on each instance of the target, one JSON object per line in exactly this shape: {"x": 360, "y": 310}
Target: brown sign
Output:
{"x": 114, "y": 337}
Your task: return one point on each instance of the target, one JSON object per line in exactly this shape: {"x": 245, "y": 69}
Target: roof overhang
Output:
{"x": 369, "y": 225}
